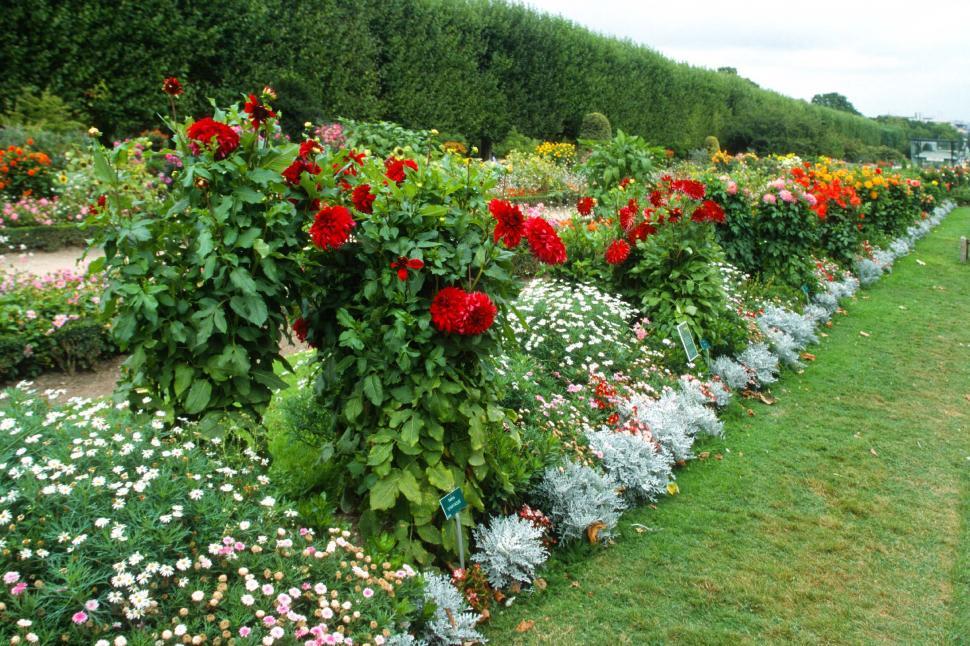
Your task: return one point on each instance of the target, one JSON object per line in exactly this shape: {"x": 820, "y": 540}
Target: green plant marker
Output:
{"x": 687, "y": 340}
{"x": 706, "y": 347}
{"x": 452, "y": 504}
{"x": 805, "y": 290}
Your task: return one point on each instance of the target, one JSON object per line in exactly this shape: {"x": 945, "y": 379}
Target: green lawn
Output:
{"x": 837, "y": 515}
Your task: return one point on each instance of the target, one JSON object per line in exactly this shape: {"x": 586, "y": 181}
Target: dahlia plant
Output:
{"x": 408, "y": 271}
{"x": 200, "y": 283}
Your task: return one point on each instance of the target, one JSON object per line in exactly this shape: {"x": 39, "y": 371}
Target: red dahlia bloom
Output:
{"x": 331, "y": 227}
{"x": 481, "y": 313}
{"x": 640, "y": 232}
{"x": 627, "y": 213}
{"x": 585, "y": 205}
{"x": 257, "y": 111}
{"x": 708, "y": 211}
{"x": 300, "y": 328}
{"x": 617, "y": 252}
{"x": 308, "y": 147}
{"x": 509, "y": 222}
{"x": 205, "y": 130}
{"x": 449, "y": 309}
{"x": 691, "y": 188}
{"x": 544, "y": 241}
{"x": 394, "y": 168}
{"x": 403, "y": 264}
{"x": 363, "y": 199}
{"x": 172, "y": 87}
{"x": 295, "y": 170}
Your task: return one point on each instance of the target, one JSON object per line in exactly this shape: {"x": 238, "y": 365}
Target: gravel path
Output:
{"x": 45, "y": 262}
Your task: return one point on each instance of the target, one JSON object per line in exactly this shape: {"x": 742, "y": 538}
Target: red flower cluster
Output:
{"x": 331, "y": 227}
{"x": 403, "y": 264}
{"x": 309, "y": 147}
{"x": 363, "y": 199}
{"x": 172, "y": 87}
{"x": 708, "y": 211}
{"x": 455, "y": 311}
{"x": 617, "y": 252}
{"x": 258, "y": 112}
{"x": 394, "y": 169}
{"x": 628, "y": 213}
{"x": 204, "y": 131}
{"x": 585, "y": 205}
{"x": 300, "y": 328}
{"x": 509, "y": 222}
{"x": 544, "y": 241}
{"x": 302, "y": 163}
{"x": 640, "y": 232}
{"x": 691, "y": 188}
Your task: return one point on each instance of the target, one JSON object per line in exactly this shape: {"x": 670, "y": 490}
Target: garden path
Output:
{"x": 45, "y": 262}
{"x": 840, "y": 514}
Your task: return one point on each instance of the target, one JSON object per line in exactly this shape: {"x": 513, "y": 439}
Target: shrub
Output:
{"x": 24, "y": 171}
{"x": 624, "y": 156}
{"x": 761, "y": 364}
{"x": 633, "y": 462}
{"x": 799, "y": 328}
{"x": 515, "y": 141}
{"x": 531, "y": 175}
{"x": 510, "y": 549}
{"x": 383, "y": 138}
{"x": 453, "y": 621}
{"x": 200, "y": 283}
{"x": 129, "y": 526}
{"x": 737, "y": 235}
{"x": 47, "y": 238}
{"x": 731, "y": 372}
{"x": 42, "y": 111}
{"x": 579, "y": 499}
{"x": 595, "y": 127}
{"x": 712, "y": 146}
{"x": 787, "y": 230}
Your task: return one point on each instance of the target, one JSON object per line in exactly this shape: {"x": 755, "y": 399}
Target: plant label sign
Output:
{"x": 453, "y": 503}
{"x": 805, "y": 289}
{"x": 687, "y": 340}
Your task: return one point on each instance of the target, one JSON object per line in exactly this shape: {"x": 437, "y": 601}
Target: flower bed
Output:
{"x": 50, "y": 322}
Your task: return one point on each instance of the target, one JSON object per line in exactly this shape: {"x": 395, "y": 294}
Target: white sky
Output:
{"x": 899, "y": 57}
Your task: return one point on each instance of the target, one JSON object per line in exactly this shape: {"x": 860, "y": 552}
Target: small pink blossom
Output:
{"x": 368, "y": 593}
{"x": 786, "y": 196}
{"x": 79, "y": 617}
{"x": 244, "y": 631}
{"x": 18, "y": 589}
{"x": 769, "y": 198}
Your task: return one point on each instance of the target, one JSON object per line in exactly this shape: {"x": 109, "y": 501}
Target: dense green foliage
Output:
{"x": 477, "y": 67}
{"x": 595, "y": 125}
{"x": 835, "y": 101}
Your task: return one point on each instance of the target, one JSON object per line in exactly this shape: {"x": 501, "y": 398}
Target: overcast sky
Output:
{"x": 887, "y": 57}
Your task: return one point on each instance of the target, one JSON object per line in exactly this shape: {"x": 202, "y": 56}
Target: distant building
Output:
{"x": 938, "y": 152}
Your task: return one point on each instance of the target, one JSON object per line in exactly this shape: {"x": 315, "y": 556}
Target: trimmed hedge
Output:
{"x": 48, "y": 238}
{"x": 76, "y": 346}
{"x": 477, "y": 67}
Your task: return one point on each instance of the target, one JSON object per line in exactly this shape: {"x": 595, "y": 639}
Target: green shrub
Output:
{"x": 595, "y": 127}
{"x": 302, "y": 439}
{"x": 52, "y": 238}
{"x": 711, "y": 145}
{"x": 42, "y": 112}
{"x": 383, "y": 138}
{"x": 624, "y": 156}
{"x": 515, "y": 141}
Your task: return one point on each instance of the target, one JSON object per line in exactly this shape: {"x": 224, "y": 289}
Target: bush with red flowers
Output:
{"x": 407, "y": 280}
{"x": 202, "y": 283}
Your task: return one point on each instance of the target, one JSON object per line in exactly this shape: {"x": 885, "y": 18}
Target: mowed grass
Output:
{"x": 837, "y": 515}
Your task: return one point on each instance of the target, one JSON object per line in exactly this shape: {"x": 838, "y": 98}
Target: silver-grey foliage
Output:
{"x": 674, "y": 421}
{"x": 816, "y": 314}
{"x": 705, "y": 392}
{"x": 783, "y": 346}
{"x": 868, "y": 271}
{"x": 509, "y": 550}
{"x": 576, "y": 496}
{"x": 731, "y": 372}
{"x": 762, "y": 365}
{"x": 453, "y": 622}
{"x": 634, "y": 462}
{"x": 800, "y": 329}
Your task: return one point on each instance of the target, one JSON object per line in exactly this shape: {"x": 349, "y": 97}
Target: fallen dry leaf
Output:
{"x": 593, "y": 531}
{"x": 703, "y": 455}
{"x": 920, "y": 263}
{"x": 873, "y": 451}
{"x": 823, "y": 334}
{"x": 808, "y": 356}
{"x": 672, "y": 488}
{"x": 525, "y": 626}
{"x": 750, "y": 412}
{"x": 719, "y": 457}
{"x": 574, "y": 584}
{"x": 828, "y": 324}
{"x": 861, "y": 333}
{"x": 540, "y": 584}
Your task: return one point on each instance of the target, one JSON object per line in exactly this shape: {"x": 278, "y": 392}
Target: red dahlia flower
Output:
{"x": 331, "y": 227}
{"x": 617, "y": 252}
{"x": 295, "y": 170}
{"x": 585, "y": 205}
{"x": 308, "y": 147}
{"x": 300, "y": 328}
{"x": 708, "y": 211}
{"x": 691, "y": 188}
{"x": 627, "y": 213}
{"x": 363, "y": 199}
{"x": 394, "y": 168}
{"x": 205, "y": 130}
{"x": 172, "y": 87}
{"x": 257, "y": 111}
{"x": 481, "y": 313}
{"x": 509, "y": 222}
{"x": 640, "y": 232}
{"x": 544, "y": 241}
{"x": 403, "y": 264}
{"x": 449, "y": 309}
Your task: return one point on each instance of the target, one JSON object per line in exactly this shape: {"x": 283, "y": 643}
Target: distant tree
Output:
{"x": 836, "y": 101}
{"x": 728, "y": 70}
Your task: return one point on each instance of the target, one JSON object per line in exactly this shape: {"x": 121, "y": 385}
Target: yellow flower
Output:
{"x": 873, "y": 194}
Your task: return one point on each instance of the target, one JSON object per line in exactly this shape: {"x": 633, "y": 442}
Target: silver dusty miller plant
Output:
{"x": 762, "y": 365}
{"x": 509, "y": 550}
{"x": 783, "y": 346}
{"x": 576, "y": 497}
{"x": 798, "y": 327}
{"x": 453, "y": 622}
{"x": 674, "y": 421}
{"x": 731, "y": 372}
{"x": 705, "y": 392}
{"x": 868, "y": 271}
{"x": 634, "y": 462}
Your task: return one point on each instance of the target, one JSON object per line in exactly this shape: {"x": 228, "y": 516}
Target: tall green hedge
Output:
{"x": 477, "y": 67}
